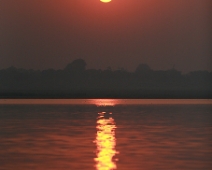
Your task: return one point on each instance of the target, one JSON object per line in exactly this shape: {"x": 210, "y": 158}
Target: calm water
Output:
{"x": 90, "y": 137}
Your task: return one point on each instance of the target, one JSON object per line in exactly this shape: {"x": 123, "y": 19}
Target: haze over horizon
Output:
{"x": 39, "y": 34}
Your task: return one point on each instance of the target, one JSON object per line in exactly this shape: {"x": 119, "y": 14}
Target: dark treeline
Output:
{"x": 75, "y": 81}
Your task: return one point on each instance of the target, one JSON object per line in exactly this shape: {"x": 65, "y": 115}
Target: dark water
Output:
{"x": 87, "y": 137}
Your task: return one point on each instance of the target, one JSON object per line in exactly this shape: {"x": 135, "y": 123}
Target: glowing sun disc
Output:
{"x": 105, "y": 1}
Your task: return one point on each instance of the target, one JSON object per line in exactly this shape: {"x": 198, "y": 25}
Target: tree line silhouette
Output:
{"x": 75, "y": 81}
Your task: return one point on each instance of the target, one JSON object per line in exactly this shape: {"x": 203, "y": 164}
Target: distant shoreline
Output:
{"x": 105, "y": 102}
{"x": 77, "y": 82}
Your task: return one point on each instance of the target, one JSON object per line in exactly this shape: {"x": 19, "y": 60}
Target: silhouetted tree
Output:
{"x": 142, "y": 68}
{"x": 77, "y": 65}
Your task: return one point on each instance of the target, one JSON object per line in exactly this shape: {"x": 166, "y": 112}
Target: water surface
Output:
{"x": 106, "y": 135}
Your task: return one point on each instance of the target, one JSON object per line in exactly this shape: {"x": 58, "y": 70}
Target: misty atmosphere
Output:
{"x": 75, "y": 81}
{"x": 105, "y": 84}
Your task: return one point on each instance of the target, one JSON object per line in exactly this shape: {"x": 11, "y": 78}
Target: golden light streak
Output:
{"x": 105, "y": 142}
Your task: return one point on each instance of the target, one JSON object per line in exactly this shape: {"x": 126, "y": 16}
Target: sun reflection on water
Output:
{"x": 104, "y": 102}
{"x": 105, "y": 142}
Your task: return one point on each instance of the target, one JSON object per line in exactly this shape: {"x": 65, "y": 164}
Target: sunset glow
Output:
{"x": 105, "y": 1}
{"x": 105, "y": 142}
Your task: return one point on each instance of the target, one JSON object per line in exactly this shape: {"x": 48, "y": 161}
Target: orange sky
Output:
{"x": 50, "y": 34}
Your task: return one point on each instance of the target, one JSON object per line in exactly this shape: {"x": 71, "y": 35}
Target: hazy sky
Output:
{"x": 43, "y": 34}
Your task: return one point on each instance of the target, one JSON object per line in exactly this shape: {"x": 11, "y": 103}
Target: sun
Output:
{"x": 105, "y": 1}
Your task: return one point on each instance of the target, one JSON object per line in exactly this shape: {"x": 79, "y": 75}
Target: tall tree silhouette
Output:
{"x": 142, "y": 68}
{"x": 78, "y": 65}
